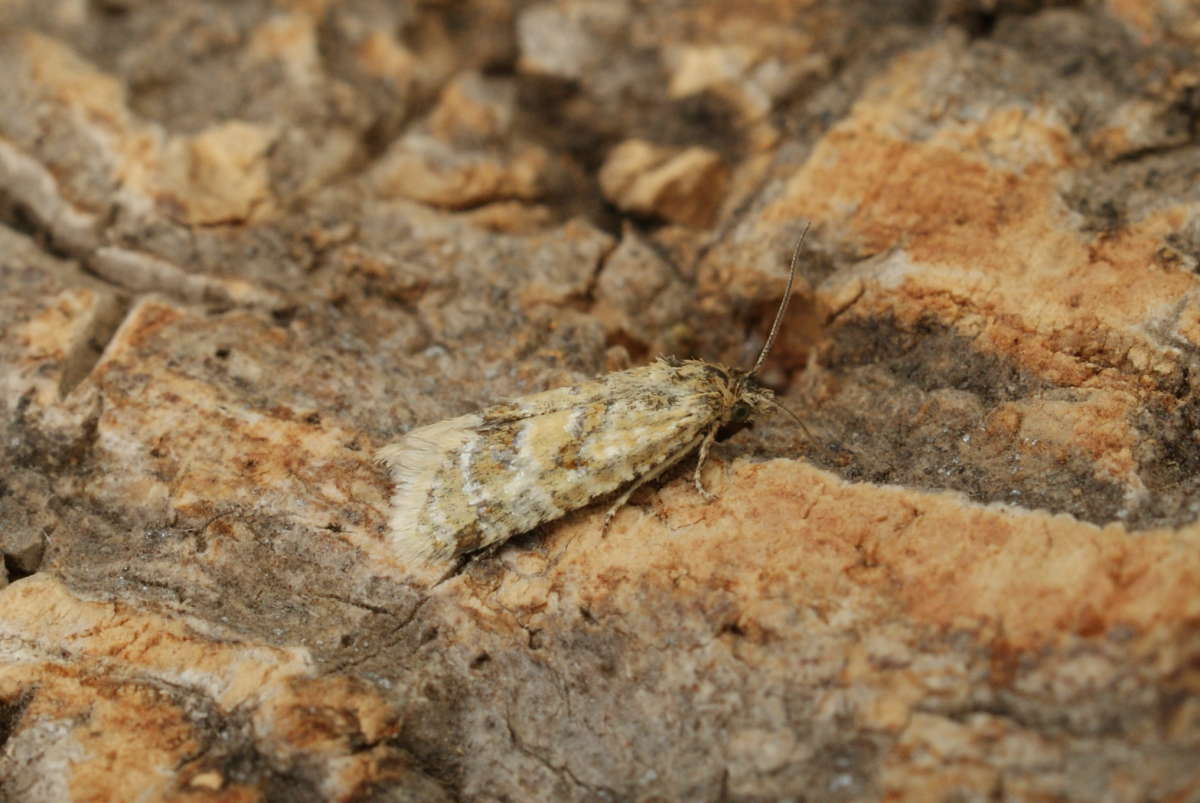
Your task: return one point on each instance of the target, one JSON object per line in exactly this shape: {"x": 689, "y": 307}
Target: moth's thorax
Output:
{"x": 735, "y": 394}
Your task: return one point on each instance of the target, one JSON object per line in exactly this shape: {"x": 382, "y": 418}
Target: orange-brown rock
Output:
{"x": 243, "y": 245}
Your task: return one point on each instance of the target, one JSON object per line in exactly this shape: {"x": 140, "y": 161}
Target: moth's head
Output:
{"x": 746, "y": 398}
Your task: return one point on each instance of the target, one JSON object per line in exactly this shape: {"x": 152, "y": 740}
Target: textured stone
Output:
{"x": 425, "y": 169}
{"x": 684, "y": 186}
{"x": 105, "y": 701}
{"x": 473, "y": 109}
{"x": 219, "y": 175}
{"x": 243, "y": 245}
{"x": 643, "y": 301}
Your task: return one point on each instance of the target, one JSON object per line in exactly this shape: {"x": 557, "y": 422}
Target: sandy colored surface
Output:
{"x": 244, "y": 245}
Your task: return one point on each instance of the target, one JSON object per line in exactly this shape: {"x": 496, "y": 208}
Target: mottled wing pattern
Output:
{"x": 468, "y": 482}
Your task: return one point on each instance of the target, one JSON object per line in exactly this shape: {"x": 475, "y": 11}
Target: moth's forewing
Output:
{"x": 470, "y": 482}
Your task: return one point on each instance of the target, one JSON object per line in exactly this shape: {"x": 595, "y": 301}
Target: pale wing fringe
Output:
{"x": 413, "y": 462}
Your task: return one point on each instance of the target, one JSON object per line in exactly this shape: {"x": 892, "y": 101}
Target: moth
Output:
{"x": 472, "y": 482}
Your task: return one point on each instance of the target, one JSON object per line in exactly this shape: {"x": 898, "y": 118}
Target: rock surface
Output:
{"x": 244, "y": 245}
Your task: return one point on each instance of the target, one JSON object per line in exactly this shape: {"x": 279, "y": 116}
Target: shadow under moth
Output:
{"x": 472, "y": 482}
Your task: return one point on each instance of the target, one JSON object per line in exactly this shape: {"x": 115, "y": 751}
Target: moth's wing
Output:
{"x": 469, "y": 482}
{"x": 583, "y": 393}
{"x": 416, "y": 463}
{"x": 426, "y": 501}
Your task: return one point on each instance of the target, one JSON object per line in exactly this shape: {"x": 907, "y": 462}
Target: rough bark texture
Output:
{"x": 242, "y": 245}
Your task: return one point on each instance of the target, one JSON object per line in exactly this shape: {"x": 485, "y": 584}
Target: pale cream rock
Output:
{"x": 426, "y": 169}
{"x": 219, "y": 175}
{"x": 684, "y": 185}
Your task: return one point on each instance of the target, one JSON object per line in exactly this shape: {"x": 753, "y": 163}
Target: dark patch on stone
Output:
{"x": 930, "y": 356}
{"x": 1106, "y": 195}
{"x": 912, "y": 406}
{"x": 703, "y": 117}
{"x": 24, "y": 220}
{"x": 845, "y": 771}
{"x": 13, "y": 570}
{"x": 1169, "y": 465}
{"x": 30, "y": 447}
{"x": 11, "y": 712}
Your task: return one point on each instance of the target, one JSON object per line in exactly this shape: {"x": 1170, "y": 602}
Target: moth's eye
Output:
{"x": 740, "y": 412}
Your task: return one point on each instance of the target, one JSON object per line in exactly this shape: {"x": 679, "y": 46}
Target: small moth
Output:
{"x": 475, "y": 481}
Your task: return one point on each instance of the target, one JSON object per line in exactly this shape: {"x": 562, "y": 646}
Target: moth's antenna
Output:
{"x": 795, "y": 418}
{"x": 787, "y": 296}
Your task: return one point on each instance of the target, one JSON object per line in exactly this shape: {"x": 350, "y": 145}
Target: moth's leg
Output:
{"x": 704, "y": 447}
{"x": 647, "y": 477}
{"x": 485, "y": 552}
